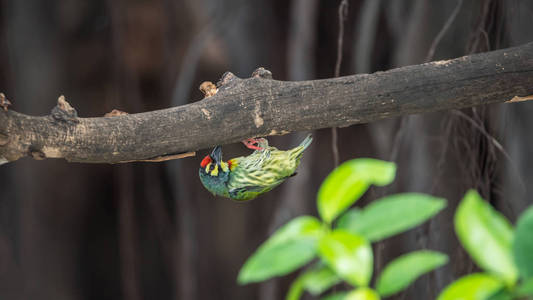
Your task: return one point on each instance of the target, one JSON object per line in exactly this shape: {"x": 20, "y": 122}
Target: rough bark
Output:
{"x": 260, "y": 106}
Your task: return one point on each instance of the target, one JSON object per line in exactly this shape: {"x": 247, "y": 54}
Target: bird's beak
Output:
{"x": 216, "y": 154}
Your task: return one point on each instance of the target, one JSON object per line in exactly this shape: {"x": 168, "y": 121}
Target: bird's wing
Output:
{"x": 256, "y": 160}
{"x": 252, "y": 177}
{"x": 261, "y": 171}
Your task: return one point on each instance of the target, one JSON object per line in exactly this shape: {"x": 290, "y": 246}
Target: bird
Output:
{"x": 245, "y": 178}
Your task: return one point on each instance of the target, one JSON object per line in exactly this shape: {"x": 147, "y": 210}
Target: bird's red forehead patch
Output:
{"x": 205, "y": 161}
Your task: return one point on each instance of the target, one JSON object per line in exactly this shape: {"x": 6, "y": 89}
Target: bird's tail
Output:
{"x": 306, "y": 142}
{"x": 297, "y": 152}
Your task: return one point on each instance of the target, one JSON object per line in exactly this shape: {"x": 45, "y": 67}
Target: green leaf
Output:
{"x": 297, "y": 228}
{"x": 348, "y": 182}
{"x": 486, "y": 235}
{"x": 362, "y": 294}
{"x": 391, "y": 215}
{"x": 405, "y": 269}
{"x": 478, "y": 286}
{"x": 523, "y": 244}
{"x": 350, "y": 255}
{"x": 501, "y": 294}
{"x": 525, "y": 289}
{"x": 292, "y": 246}
{"x": 335, "y": 296}
{"x": 277, "y": 260}
{"x": 315, "y": 281}
{"x": 319, "y": 279}
{"x": 296, "y": 290}
{"x": 349, "y": 219}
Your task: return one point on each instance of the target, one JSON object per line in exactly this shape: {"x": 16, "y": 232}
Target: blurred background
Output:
{"x": 150, "y": 230}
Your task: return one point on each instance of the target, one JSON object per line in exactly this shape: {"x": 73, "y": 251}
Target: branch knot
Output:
{"x": 64, "y": 112}
{"x": 208, "y": 89}
{"x": 115, "y": 113}
{"x": 226, "y": 78}
{"x": 262, "y": 73}
{"x": 37, "y": 154}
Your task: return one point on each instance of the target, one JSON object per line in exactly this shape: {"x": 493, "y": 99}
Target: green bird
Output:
{"x": 244, "y": 178}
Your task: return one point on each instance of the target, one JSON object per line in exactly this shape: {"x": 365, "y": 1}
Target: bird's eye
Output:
{"x": 214, "y": 171}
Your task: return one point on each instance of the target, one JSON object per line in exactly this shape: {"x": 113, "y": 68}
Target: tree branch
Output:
{"x": 260, "y": 106}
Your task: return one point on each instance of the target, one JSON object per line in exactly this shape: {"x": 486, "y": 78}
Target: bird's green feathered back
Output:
{"x": 263, "y": 170}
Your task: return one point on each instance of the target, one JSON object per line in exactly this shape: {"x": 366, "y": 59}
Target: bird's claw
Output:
{"x": 255, "y": 143}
